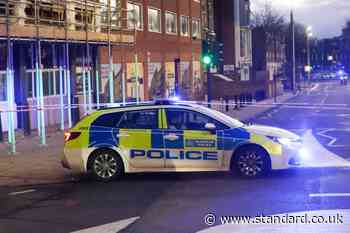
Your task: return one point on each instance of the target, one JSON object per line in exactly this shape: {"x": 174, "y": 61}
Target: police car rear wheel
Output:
{"x": 252, "y": 161}
{"x": 106, "y": 165}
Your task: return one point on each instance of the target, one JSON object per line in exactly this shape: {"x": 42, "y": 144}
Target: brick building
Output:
{"x": 269, "y": 60}
{"x": 235, "y": 79}
{"x": 76, "y": 54}
{"x": 166, "y": 31}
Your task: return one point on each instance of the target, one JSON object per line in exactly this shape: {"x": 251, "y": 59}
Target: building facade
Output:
{"x": 61, "y": 59}
{"x": 233, "y": 30}
{"x": 269, "y": 60}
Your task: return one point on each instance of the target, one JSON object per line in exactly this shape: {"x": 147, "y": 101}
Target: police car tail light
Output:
{"x": 70, "y": 136}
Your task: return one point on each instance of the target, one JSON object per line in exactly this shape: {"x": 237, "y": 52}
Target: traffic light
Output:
{"x": 207, "y": 60}
{"x": 207, "y": 53}
{"x": 219, "y": 55}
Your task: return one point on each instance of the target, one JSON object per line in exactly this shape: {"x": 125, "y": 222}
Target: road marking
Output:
{"x": 318, "y": 156}
{"x": 22, "y": 192}
{"x": 329, "y": 195}
{"x": 333, "y": 140}
{"x": 314, "y": 87}
{"x": 113, "y": 227}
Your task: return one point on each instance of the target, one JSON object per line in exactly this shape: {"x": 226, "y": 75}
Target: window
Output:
{"x": 245, "y": 43}
{"x": 190, "y": 120}
{"x": 196, "y": 28}
{"x": 170, "y": 23}
{"x": 109, "y": 120}
{"x": 134, "y": 16}
{"x": 3, "y": 95}
{"x": 115, "y": 10}
{"x": 51, "y": 82}
{"x": 184, "y": 25}
{"x": 245, "y": 76}
{"x": 154, "y": 19}
{"x": 146, "y": 119}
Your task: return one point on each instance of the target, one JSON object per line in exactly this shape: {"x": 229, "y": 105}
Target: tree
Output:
{"x": 346, "y": 30}
{"x": 270, "y": 20}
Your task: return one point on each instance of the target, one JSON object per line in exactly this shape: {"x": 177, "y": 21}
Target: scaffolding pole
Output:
{"x": 67, "y": 66}
{"x": 110, "y": 55}
{"x": 88, "y": 63}
{"x": 10, "y": 86}
{"x": 61, "y": 76}
{"x": 39, "y": 85}
{"x": 97, "y": 89}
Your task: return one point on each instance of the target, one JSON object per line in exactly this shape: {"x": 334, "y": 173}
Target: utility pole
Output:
{"x": 309, "y": 68}
{"x": 293, "y": 50}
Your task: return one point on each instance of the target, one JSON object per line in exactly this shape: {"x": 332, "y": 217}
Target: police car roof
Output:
{"x": 146, "y": 104}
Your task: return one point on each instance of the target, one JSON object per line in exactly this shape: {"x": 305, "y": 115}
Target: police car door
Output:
{"x": 188, "y": 144}
{"x": 141, "y": 139}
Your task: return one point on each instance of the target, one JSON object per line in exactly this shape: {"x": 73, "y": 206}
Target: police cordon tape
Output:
{"x": 26, "y": 108}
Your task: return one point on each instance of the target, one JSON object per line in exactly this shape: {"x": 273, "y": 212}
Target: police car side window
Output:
{"x": 145, "y": 119}
{"x": 190, "y": 120}
{"x": 109, "y": 120}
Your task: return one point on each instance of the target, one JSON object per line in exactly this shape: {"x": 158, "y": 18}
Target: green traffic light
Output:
{"x": 207, "y": 60}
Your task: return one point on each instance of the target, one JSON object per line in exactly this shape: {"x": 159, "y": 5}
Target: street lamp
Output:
{"x": 293, "y": 45}
{"x": 308, "y": 68}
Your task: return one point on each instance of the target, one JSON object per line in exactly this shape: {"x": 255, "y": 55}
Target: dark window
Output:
{"x": 190, "y": 120}
{"x": 146, "y": 119}
{"x": 109, "y": 120}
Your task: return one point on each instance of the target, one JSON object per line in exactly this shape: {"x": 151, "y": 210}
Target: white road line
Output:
{"x": 333, "y": 140}
{"x": 110, "y": 227}
{"x": 329, "y": 195}
{"x": 22, "y": 192}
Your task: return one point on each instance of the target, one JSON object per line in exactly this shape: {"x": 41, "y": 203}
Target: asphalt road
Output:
{"x": 171, "y": 203}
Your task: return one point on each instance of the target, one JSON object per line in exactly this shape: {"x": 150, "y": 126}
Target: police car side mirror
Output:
{"x": 210, "y": 127}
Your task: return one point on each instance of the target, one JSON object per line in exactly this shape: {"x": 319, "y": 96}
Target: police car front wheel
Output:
{"x": 106, "y": 165}
{"x": 251, "y": 161}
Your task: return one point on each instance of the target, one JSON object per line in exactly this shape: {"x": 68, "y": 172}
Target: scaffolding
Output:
{"x": 61, "y": 23}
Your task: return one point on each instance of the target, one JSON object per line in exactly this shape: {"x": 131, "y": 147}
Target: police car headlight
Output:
{"x": 285, "y": 141}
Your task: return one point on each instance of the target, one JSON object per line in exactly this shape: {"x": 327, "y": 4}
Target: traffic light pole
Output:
{"x": 209, "y": 84}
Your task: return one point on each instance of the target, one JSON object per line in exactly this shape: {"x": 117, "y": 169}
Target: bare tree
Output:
{"x": 270, "y": 20}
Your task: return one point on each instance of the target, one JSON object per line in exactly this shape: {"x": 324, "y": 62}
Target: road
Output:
{"x": 171, "y": 203}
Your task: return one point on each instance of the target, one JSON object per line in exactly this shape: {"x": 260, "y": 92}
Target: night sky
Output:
{"x": 327, "y": 17}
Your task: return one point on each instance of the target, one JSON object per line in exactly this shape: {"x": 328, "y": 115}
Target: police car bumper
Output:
{"x": 75, "y": 160}
{"x": 291, "y": 157}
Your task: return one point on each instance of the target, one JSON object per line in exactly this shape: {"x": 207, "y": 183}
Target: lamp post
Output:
{"x": 293, "y": 48}
{"x": 308, "y": 67}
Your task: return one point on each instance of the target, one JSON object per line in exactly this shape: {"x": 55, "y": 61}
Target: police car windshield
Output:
{"x": 233, "y": 122}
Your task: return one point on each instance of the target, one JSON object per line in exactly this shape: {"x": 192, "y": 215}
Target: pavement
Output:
{"x": 199, "y": 202}
{"x": 33, "y": 163}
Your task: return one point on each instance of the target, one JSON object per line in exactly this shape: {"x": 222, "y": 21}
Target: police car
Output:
{"x": 166, "y": 136}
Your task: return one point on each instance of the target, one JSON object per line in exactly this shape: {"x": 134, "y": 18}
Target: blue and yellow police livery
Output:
{"x": 166, "y": 136}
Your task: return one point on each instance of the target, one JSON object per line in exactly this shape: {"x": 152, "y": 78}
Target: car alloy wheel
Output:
{"x": 250, "y": 164}
{"x": 251, "y": 161}
{"x": 105, "y": 166}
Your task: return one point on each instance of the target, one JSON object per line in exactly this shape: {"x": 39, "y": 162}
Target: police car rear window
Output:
{"x": 110, "y": 120}
{"x": 145, "y": 119}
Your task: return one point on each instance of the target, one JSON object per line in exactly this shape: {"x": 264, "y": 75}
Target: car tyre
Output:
{"x": 251, "y": 162}
{"x": 106, "y": 165}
